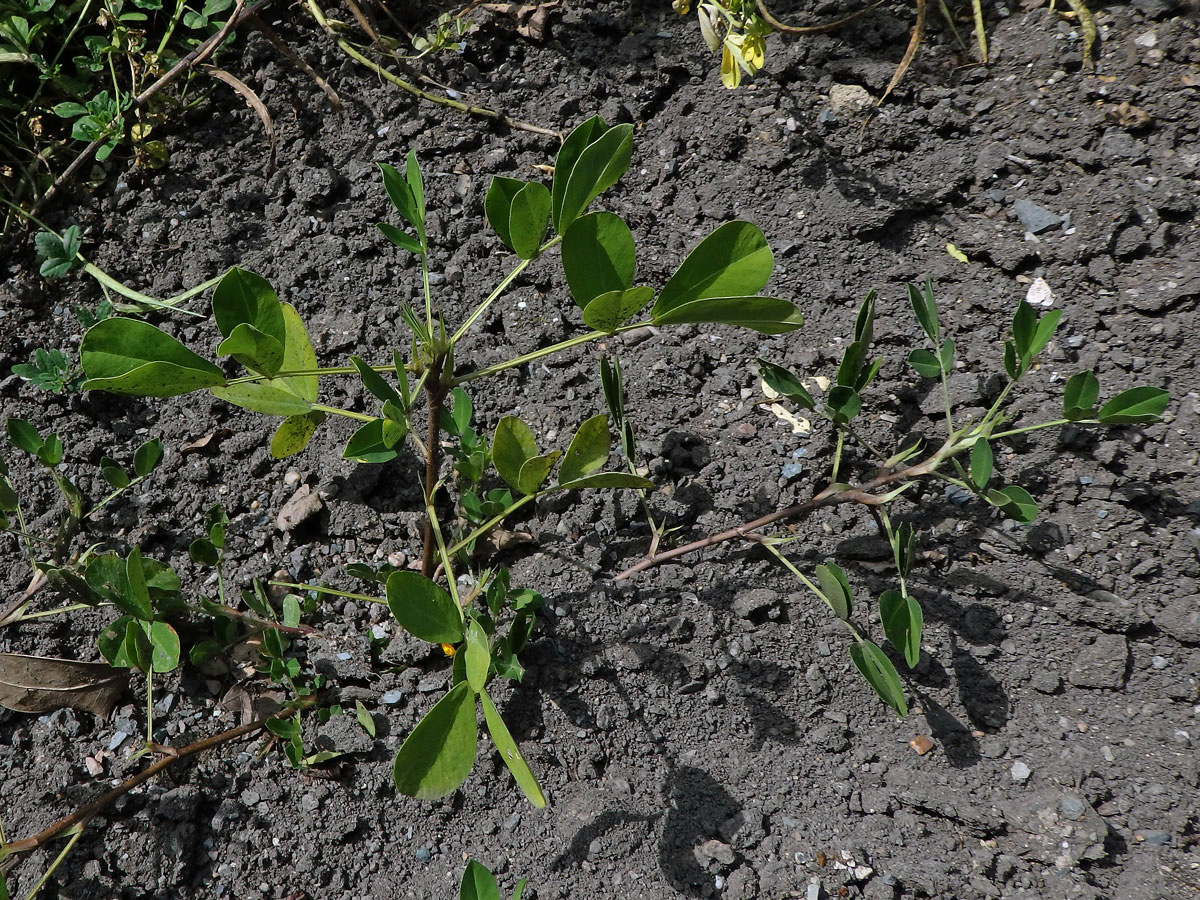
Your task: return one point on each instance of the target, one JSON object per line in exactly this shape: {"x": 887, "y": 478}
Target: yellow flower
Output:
{"x": 731, "y": 72}
{"x": 448, "y": 649}
{"x": 754, "y": 52}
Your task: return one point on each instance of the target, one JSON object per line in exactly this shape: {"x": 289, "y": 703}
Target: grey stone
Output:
{"x": 1020, "y": 772}
{"x": 1101, "y": 665}
{"x": 1052, "y": 837}
{"x": 742, "y": 884}
{"x": 302, "y": 506}
{"x": 747, "y": 603}
{"x": 1045, "y": 681}
{"x": 180, "y": 804}
{"x": 715, "y": 851}
{"x": 1180, "y": 618}
{"x": 1034, "y": 217}
{"x": 1107, "y": 610}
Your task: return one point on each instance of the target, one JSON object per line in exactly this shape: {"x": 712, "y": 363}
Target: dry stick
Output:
{"x": 351, "y": 51}
{"x": 831, "y": 496}
{"x": 811, "y": 29}
{"x": 910, "y": 53}
{"x": 252, "y": 100}
{"x": 193, "y": 59}
{"x": 85, "y": 813}
{"x": 363, "y": 22}
{"x": 296, "y": 60}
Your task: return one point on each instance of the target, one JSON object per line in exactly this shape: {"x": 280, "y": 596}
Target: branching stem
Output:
{"x": 87, "y": 812}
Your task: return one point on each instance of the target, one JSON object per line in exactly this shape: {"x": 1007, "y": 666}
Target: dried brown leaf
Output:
{"x": 38, "y": 684}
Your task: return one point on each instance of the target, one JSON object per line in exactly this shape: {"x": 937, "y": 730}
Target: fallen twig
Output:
{"x": 832, "y": 496}
{"x": 87, "y": 812}
{"x": 296, "y": 59}
{"x": 252, "y": 99}
{"x": 910, "y": 53}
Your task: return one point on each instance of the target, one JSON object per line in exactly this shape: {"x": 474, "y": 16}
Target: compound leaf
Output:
{"x": 600, "y": 165}
{"x": 589, "y": 449}
{"x": 902, "y": 621}
{"x": 511, "y": 753}
{"x": 528, "y": 217}
{"x": 1136, "y": 406}
{"x": 610, "y": 311}
{"x": 765, "y": 315}
{"x": 512, "y": 444}
{"x": 880, "y": 674}
{"x": 1080, "y": 395}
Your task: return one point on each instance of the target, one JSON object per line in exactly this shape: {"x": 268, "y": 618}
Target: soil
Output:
{"x": 699, "y": 729}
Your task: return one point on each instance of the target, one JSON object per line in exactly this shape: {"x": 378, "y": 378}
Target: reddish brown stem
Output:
{"x": 87, "y": 812}
{"x": 831, "y": 496}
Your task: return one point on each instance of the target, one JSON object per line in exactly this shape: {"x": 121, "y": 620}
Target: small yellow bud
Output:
{"x": 449, "y": 649}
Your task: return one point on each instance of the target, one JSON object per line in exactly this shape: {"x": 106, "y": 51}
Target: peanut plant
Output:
{"x": 422, "y": 400}
{"x": 902, "y": 471}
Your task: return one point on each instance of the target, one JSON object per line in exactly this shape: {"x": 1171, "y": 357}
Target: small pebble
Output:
{"x": 424, "y": 854}
{"x": 922, "y": 744}
{"x": 392, "y": 697}
{"x": 1020, "y": 772}
{"x": 292, "y": 477}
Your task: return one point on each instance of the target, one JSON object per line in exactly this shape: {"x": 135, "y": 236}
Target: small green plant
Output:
{"x": 482, "y": 629}
{"x": 69, "y": 73}
{"x": 902, "y": 471}
{"x": 478, "y": 883}
{"x": 445, "y": 36}
{"x": 54, "y": 370}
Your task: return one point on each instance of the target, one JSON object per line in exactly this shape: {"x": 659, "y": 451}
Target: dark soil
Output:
{"x": 699, "y": 730}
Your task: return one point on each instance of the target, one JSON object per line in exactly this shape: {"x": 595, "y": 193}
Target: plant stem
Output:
{"x": 447, "y": 567}
{"x": 482, "y": 307}
{"x": 294, "y": 373}
{"x": 831, "y": 496}
{"x": 149, "y": 706}
{"x": 546, "y": 351}
{"x": 945, "y": 396}
{"x": 1028, "y": 428}
{"x": 114, "y": 495}
{"x": 54, "y": 865}
{"x": 435, "y": 394}
{"x": 338, "y": 411}
{"x": 320, "y": 589}
{"x": 46, "y": 613}
{"x": 491, "y": 523}
{"x": 85, "y": 813}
